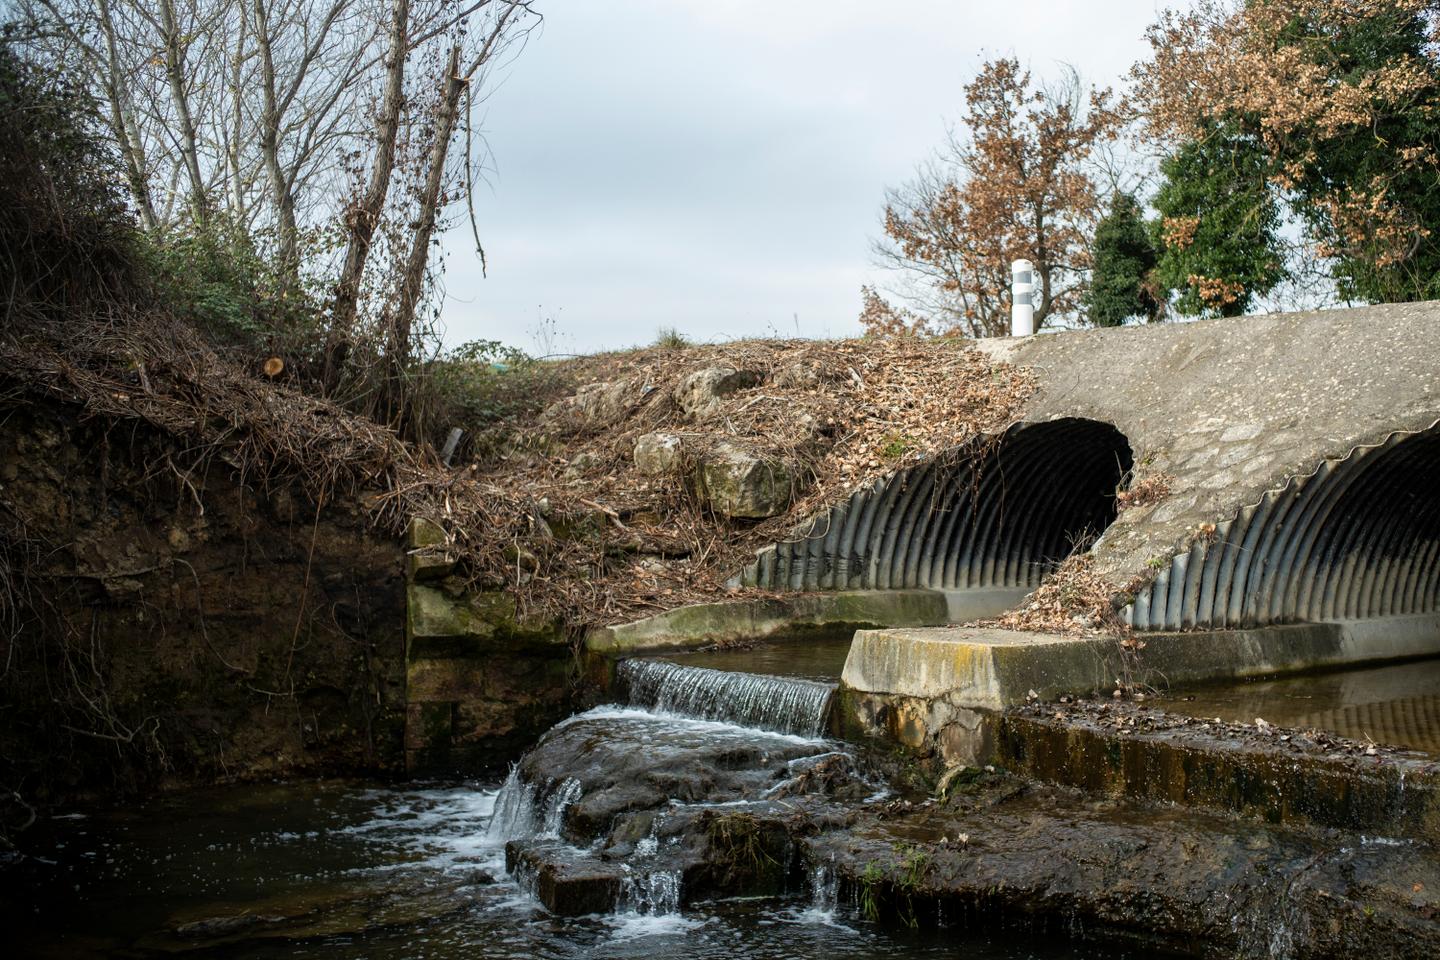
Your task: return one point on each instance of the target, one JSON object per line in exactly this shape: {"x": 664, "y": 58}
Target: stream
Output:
{"x": 626, "y": 802}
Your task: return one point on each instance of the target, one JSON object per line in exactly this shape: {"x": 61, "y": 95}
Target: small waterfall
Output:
{"x": 824, "y": 890}
{"x": 514, "y": 816}
{"x": 782, "y": 704}
{"x": 518, "y": 815}
{"x": 652, "y": 894}
{"x": 560, "y": 798}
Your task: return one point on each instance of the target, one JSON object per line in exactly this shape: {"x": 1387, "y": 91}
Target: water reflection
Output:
{"x": 1398, "y": 705}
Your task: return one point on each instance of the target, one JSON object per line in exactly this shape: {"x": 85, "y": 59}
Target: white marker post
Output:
{"x": 1022, "y": 293}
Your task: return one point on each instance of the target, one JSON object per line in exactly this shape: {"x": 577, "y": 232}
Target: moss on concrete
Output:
{"x": 737, "y": 621}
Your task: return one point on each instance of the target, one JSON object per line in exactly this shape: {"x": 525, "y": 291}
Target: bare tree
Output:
{"x": 362, "y": 218}
{"x": 307, "y": 125}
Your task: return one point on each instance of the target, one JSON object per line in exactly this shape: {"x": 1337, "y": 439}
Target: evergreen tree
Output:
{"x": 1338, "y": 102}
{"x": 1216, "y": 232}
{"x": 1122, "y": 257}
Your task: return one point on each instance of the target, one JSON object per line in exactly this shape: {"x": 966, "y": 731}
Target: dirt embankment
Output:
{"x": 166, "y": 623}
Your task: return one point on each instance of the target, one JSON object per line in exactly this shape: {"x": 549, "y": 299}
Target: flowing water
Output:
{"x": 355, "y": 870}
{"x": 817, "y": 658}
{"x": 784, "y": 704}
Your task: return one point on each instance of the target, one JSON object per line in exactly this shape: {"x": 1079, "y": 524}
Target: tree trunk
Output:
{"x": 131, "y": 153}
{"x": 412, "y": 281}
{"x": 185, "y": 136}
{"x": 280, "y": 194}
{"x": 365, "y": 216}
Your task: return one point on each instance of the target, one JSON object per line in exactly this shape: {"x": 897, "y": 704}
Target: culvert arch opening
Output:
{"x": 1358, "y": 539}
{"x": 1002, "y": 512}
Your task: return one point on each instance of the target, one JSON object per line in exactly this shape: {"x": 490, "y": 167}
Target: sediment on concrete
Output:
{"x": 936, "y": 691}
{"x": 1262, "y": 772}
{"x": 1183, "y": 882}
{"x": 749, "y": 620}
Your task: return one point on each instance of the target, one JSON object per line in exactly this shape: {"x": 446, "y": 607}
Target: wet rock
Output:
{"x": 742, "y": 484}
{"x": 344, "y": 910}
{"x": 211, "y": 928}
{"x": 657, "y": 453}
{"x": 700, "y": 393}
{"x": 629, "y": 764}
{"x": 569, "y": 885}
{"x": 1171, "y": 879}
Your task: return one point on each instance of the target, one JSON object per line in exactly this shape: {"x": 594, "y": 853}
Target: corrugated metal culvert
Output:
{"x": 999, "y": 513}
{"x": 1358, "y": 538}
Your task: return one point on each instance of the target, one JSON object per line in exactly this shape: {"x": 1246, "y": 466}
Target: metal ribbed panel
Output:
{"x": 1358, "y": 538}
{"x": 1000, "y": 513}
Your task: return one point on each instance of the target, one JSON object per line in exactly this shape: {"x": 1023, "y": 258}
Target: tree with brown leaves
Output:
{"x": 1012, "y": 183}
{"x": 1341, "y": 98}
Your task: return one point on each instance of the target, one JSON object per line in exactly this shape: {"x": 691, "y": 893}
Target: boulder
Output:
{"x": 581, "y": 464}
{"x": 739, "y": 483}
{"x": 594, "y": 402}
{"x": 657, "y": 453}
{"x": 699, "y": 394}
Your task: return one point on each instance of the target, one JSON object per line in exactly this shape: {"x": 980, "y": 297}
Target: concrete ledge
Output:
{"x": 938, "y": 692}
{"x": 735, "y": 621}
{"x": 989, "y": 669}
{"x": 1128, "y": 750}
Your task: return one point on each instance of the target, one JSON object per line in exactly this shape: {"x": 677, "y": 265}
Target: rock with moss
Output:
{"x": 657, "y": 454}
{"x": 746, "y": 485}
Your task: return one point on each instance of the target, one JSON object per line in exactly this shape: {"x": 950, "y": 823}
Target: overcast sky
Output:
{"x": 718, "y": 166}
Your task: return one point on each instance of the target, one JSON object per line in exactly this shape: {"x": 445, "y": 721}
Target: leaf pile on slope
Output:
{"x": 1074, "y": 599}
{"x": 838, "y": 415}
{"x": 557, "y": 513}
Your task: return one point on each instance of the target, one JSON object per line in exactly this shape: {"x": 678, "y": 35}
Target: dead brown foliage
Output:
{"x": 556, "y": 513}
{"x": 1147, "y": 490}
{"x": 1072, "y": 600}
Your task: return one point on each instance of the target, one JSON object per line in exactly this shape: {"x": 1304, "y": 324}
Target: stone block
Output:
{"x": 480, "y": 620}
{"x": 428, "y": 725}
{"x": 700, "y": 393}
{"x": 447, "y": 679}
{"x": 566, "y": 887}
{"x": 424, "y": 533}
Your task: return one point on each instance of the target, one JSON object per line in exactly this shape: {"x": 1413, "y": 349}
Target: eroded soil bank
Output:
{"x": 168, "y": 624}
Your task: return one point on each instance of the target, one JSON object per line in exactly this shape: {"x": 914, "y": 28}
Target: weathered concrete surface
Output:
{"x": 1034, "y": 859}
{"x": 1262, "y": 772}
{"x": 737, "y": 621}
{"x": 937, "y": 691}
{"x": 480, "y": 683}
{"x": 1232, "y": 407}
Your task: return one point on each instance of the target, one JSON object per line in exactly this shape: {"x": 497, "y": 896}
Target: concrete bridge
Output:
{"x": 1308, "y": 440}
{"x": 1301, "y": 526}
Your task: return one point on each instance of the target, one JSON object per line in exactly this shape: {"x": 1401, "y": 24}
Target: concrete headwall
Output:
{"x": 1234, "y": 420}
{"x": 1232, "y": 408}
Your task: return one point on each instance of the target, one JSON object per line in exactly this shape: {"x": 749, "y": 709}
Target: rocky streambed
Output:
{"x": 658, "y": 827}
